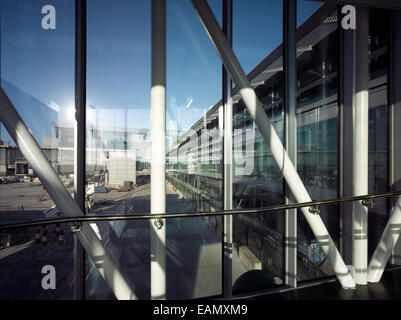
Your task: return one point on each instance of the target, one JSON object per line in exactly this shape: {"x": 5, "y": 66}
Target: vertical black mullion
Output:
{"x": 226, "y": 95}
{"x": 80, "y": 143}
{"x": 390, "y": 104}
{"x": 346, "y": 94}
{"x": 394, "y": 98}
{"x": 290, "y": 133}
{"x": 340, "y": 127}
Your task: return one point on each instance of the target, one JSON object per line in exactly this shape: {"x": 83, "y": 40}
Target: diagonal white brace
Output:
{"x": 63, "y": 200}
{"x": 386, "y": 244}
{"x": 272, "y": 140}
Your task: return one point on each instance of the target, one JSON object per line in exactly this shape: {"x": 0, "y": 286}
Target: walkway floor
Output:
{"x": 389, "y": 288}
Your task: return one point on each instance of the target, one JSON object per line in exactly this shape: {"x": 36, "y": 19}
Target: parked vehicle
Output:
{"x": 12, "y": 179}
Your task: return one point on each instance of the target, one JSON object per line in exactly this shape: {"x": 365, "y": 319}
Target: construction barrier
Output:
{"x": 56, "y": 232}
{"x": 44, "y": 238}
{"x": 11, "y": 212}
{"x": 60, "y": 237}
{"x": 54, "y": 235}
{"x": 269, "y": 261}
{"x": 38, "y": 236}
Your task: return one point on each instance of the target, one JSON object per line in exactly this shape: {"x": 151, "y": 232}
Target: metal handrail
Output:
{"x": 313, "y": 204}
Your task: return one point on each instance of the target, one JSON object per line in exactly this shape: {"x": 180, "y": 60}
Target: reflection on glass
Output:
{"x": 37, "y": 75}
{"x": 317, "y": 151}
{"x": 258, "y": 182}
{"x": 317, "y": 131}
{"x": 37, "y": 68}
{"x": 118, "y": 133}
{"x": 194, "y": 113}
{"x": 378, "y": 124}
{"x": 318, "y": 123}
{"x": 378, "y": 172}
{"x": 378, "y": 41}
{"x": 193, "y": 260}
{"x": 257, "y": 252}
{"x": 250, "y": 18}
{"x": 194, "y": 154}
{"x": 118, "y": 145}
{"x": 305, "y": 9}
{"x": 23, "y": 255}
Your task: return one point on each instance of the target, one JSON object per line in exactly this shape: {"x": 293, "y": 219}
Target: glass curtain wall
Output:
{"x": 317, "y": 122}
{"x": 37, "y": 74}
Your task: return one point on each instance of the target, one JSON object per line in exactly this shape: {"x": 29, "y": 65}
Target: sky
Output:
{"x": 38, "y": 64}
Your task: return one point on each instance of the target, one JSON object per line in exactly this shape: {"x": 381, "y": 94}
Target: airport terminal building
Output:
{"x": 281, "y": 170}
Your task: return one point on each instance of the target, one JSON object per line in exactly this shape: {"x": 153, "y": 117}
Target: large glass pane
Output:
{"x": 258, "y": 182}
{"x": 317, "y": 129}
{"x": 118, "y": 145}
{"x": 194, "y": 153}
{"x": 117, "y": 129}
{"x": 37, "y": 74}
{"x": 378, "y": 123}
{"x": 194, "y": 111}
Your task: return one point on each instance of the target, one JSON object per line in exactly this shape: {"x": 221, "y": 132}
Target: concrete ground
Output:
{"x": 23, "y": 201}
{"x": 194, "y": 249}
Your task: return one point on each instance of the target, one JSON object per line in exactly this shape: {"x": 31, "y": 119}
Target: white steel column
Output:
{"x": 158, "y": 151}
{"x": 360, "y": 147}
{"x": 61, "y": 197}
{"x": 272, "y": 140}
{"x": 228, "y": 160}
